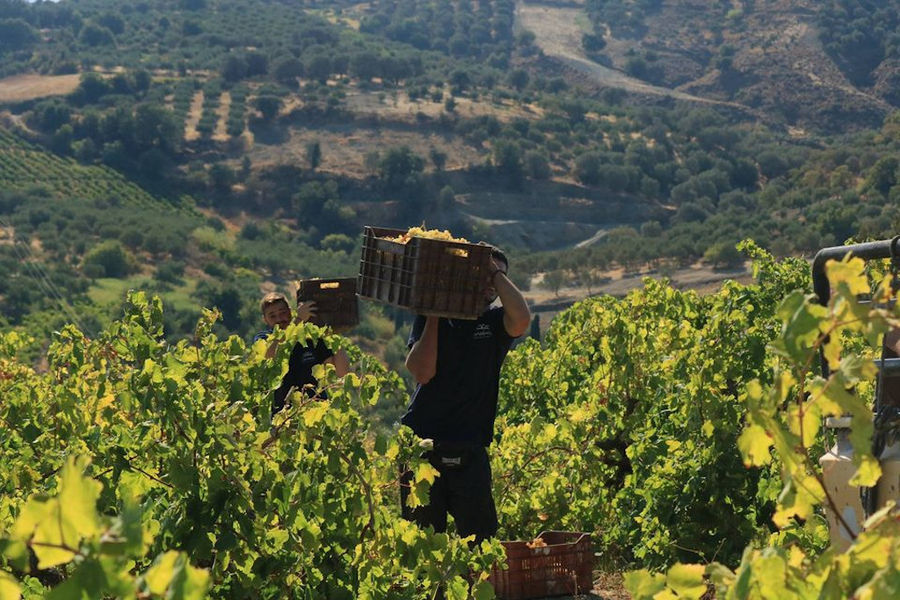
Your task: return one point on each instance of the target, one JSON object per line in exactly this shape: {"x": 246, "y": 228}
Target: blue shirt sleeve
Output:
{"x": 262, "y": 335}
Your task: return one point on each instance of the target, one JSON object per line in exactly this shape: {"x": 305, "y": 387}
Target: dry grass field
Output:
{"x": 21, "y": 88}
{"x": 193, "y": 118}
{"x": 399, "y": 107}
{"x": 344, "y": 147}
{"x": 396, "y": 117}
{"x": 221, "y": 134}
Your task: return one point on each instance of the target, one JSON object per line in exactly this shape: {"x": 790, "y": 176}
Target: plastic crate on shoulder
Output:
{"x": 426, "y": 276}
{"x": 336, "y": 303}
{"x": 562, "y": 567}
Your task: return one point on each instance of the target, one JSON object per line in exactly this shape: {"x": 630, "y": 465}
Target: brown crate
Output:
{"x": 336, "y": 303}
{"x": 562, "y": 568}
{"x": 428, "y": 277}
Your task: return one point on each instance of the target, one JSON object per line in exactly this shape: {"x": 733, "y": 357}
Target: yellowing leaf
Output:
{"x": 160, "y": 574}
{"x": 686, "y": 580}
{"x": 172, "y": 576}
{"x": 314, "y": 413}
{"x": 832, "y": 351}
{"x": 754, "y": 445}
{"x": 771, "y": 572}
{"x": 798, "y": 498}
{"x": 804, "y": 421}
{"x": 795, "y": 557}
{"x": 850, "y": 272}
{"x": 78, "y": 497}
{"x": 9, "y": 587}
{"x": 823, "y": 395}
{"x": 56, "y": 527}
{"x": 194, "y": 585}
{"x": 868, "y": 472}
{"x": 644, "y": 585}
{"x": 426, "y": 472}
{"x": 580, "y": 414}
{"x": 754, "y": 392}
{"x": 458, "y": 589}
{"x": 103, "y": 403}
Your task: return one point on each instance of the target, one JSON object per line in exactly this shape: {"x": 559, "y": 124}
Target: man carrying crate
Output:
{"x": 456, "y": 364}
{"x": 277, "y": 312}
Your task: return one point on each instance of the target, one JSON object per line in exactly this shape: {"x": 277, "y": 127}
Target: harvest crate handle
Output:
{"x": 330, "y": 285}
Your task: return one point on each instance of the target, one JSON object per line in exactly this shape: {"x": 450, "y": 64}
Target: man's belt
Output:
{"x": 453, "y": 454}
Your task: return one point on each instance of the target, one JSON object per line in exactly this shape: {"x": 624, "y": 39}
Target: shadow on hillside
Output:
{"x": 270, "y": 134}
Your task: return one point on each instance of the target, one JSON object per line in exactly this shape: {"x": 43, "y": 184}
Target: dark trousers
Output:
{"x": 463, "y": 490}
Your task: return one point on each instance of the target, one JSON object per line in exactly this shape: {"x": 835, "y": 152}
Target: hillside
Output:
{"x": 818, "y": 66}
{"x": 215, "y": 156}
{"x": 659, "y": 173}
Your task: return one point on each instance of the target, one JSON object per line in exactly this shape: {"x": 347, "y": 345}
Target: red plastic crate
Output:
{"x": 425, "y": 276}
{"x": 563, "y": 567}
{"x": 336, "y": 302}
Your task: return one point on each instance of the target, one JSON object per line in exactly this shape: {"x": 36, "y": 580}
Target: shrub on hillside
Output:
{"x": 110, "y": 256}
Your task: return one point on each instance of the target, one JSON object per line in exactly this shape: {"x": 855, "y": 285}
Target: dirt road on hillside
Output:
{"x": 558, "y": 34}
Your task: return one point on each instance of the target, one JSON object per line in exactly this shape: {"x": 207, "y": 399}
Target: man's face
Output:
{"x": 278, "y": 313}
{"x": 490, "y": 292}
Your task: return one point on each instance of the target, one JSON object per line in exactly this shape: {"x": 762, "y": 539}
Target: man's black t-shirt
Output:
{"x": 299, "y": 374}
{"x": 459, "y": 404}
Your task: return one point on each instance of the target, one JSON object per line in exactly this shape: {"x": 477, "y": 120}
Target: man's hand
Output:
{"x": 496, "y": 266}
{"x": 305, "y": 311}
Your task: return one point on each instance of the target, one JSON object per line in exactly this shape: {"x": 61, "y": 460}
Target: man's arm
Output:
{"x": 422, "y": 358}
{"x": 516, "y": 316}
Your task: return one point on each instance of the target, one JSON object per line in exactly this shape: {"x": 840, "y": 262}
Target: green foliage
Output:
{"x": 626, "y": 421}
{"x": 16, "y": 34}
{"x": 181, "y": 444}
{"x": 27, "y": 165}
{"x": 624, "y": 17}
{"x": 398, "y": 165}
{"x": 100, "y": 550}
{"x": 508, "y": 161}
{"x": 553, "y": 280}
{"x": 314, "y": 154}
{"x": 111, "y": 258}
{"x": 477, "y": 30}
{"x": 784, "y": 421}
{"x": 96, "y": 35}
{"x": 859, "y": 34}
{"x": 723, "y": 255}
{"x": 268, "y": 106}
{"x": 536, "y": 165}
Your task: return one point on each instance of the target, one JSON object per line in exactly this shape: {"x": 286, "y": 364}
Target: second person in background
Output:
{"x": 276, "y": 312}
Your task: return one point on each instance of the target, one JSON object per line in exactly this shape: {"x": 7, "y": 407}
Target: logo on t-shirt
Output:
{"x": 482, "y": 332}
